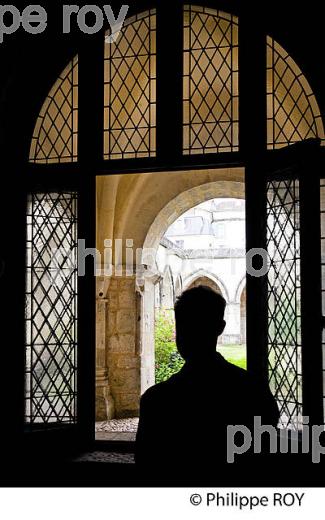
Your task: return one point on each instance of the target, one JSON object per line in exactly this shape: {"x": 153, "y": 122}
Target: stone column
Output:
{"x": 105, "y": 407}
{"x": 147, "y": 329}
{"x": 232, "y": 333}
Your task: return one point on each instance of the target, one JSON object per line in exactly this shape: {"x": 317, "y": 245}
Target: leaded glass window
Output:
{"x": 130, "y": 90}
{"x": 322, "y": 206}
{"x": 51, "y": 308}
{"x": 292, "y": 111}
{"x": 284, "y": 300}
{"x": 210, "y": 82}
{"x": 55, "y": 138}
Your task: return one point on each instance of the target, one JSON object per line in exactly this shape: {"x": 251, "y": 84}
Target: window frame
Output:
{"x": 81, "y": 175}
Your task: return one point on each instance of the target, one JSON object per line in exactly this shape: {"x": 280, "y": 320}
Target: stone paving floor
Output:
{"x": 106, "y": 457}
{"x": 117, "y": 430}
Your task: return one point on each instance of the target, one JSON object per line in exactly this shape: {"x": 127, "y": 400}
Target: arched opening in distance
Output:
{"x": 204, "y": 246}
{"x": 129, "y": 207}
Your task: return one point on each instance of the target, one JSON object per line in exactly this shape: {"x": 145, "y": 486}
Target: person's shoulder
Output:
{"x": 241, "y": 375}
{"x": 163, "y": 390}
{"x": 229, "y": 369}
{"x": 155, "y": 391}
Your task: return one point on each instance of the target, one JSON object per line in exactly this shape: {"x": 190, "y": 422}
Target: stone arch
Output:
{"x": 213, "y": 281}
{"x": 207, "y": 282}
{"x": 129, "y": 205}
{"x": 182, "y": 203}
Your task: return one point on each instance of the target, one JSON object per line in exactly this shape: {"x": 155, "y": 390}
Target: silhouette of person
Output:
{"x": 183, "y": 421}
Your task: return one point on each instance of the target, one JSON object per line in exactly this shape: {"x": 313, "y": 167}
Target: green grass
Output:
{"x": 235, "y": 354}
{"x": 168, "y": 361}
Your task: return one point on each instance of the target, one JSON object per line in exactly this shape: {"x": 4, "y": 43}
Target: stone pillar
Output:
{"x": 105, "y": 408}
{"x": 123, "y": 358}
{"x": 232, "y": 333}
{"x": 147, "y": 331}
{"x": 243, "y": 316}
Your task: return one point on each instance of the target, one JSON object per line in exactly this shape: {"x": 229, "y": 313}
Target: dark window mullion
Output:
{"x": 169, "y": 80}
{"x": 252, "y": 145}
{"x": 90, "y": 153}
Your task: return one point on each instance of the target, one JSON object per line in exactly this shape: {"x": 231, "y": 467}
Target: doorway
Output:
{"x": 135, "y": 216}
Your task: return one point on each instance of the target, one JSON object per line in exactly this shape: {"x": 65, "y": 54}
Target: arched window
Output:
{"x": 55, "y": 137}
{"x": 292, "y": 110}
{"x": 210, "y": 94}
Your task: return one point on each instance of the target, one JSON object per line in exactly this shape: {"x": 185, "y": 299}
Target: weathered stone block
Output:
{"x": 112, "y": 285}
{"x": 113, "y": 301}
{"x": 113, "y": 344}
{"x": 100, "y": 357}
{"x": 128, "y": 362}
{"x": 125, "y": 321}
{"x": 127, "y": 379}
{"x": 122, "y": 344}
{"x": 101, "y": 414}
{"x": 127, "y": 343}
{"x": 127, "y": 404}
{"x": 105, "y": 406}
{"x": 111, "y": 322}
{"x": 126, "y": 299}
{"x": 126, "y": 283}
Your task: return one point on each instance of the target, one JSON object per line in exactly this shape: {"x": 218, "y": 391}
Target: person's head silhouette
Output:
{"x": 199, "y": 315}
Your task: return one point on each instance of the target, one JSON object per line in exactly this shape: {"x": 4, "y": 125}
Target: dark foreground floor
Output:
{"x": 107, "y": 467}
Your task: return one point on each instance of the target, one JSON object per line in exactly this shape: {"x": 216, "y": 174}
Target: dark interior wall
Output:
{"x": 29, "y": 67}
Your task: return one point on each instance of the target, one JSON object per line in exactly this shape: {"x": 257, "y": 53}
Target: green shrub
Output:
{"x": 168, "y": 361}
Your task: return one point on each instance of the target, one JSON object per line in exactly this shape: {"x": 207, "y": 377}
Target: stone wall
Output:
{"x": 123, "y": 360}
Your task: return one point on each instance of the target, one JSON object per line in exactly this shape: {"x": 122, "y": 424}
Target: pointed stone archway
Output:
{"x": 203, "y": 277}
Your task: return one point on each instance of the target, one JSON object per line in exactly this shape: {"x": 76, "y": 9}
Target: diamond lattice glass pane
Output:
{"x": 51, "y": 308}
{"x": 284, "y": 314}
{"x": 292, "y": 111}
{"x": 210, "y": 97}
{"x": 322, "y": 215}
{"x": 55, "y": 137}
{"x": 130, "y": 90}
